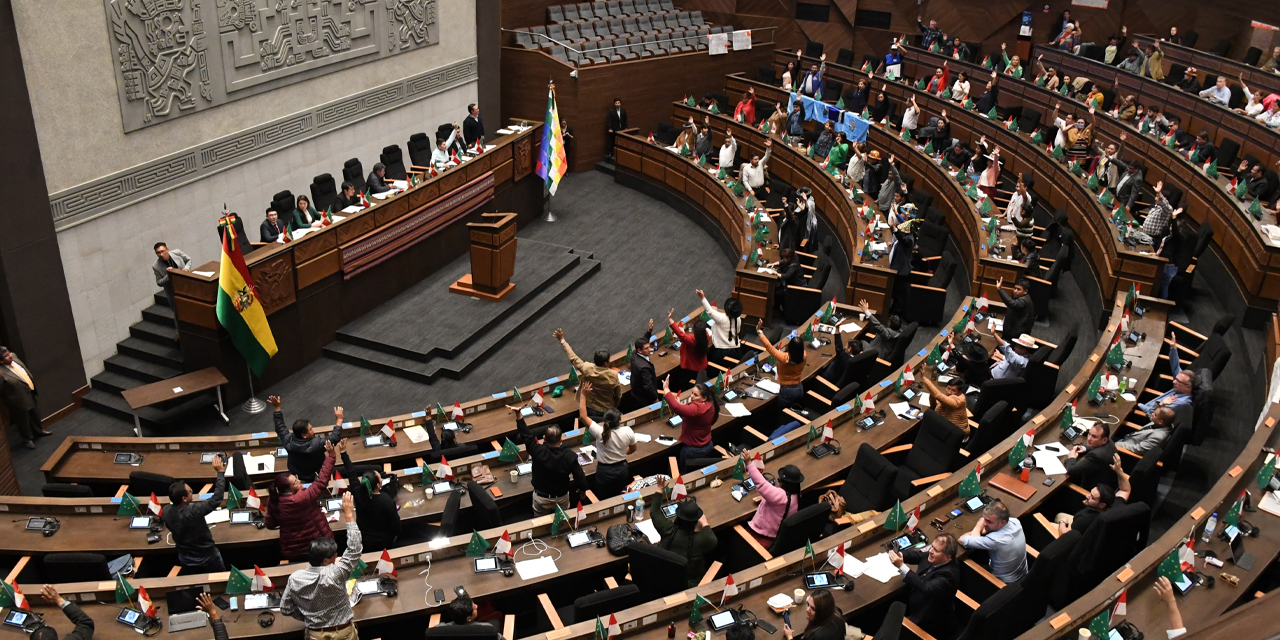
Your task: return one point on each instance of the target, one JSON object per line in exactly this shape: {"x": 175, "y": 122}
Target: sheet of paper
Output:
{"x": 1270, "y": 503}
{"x": 644, "y": 437}
{"x": 853, "y": 567}
{"x": 624, "y": 377}
{"x": 416, "y": 434}
{"x": 504, "y": 132}
{"x": 879, "y": 247}
{"x": 924, "y": 399}
{"x": 737, "y": 409}
{"x": 384, "y": 195}
{"x": 400, "y": 184}
{"x": 177, "y": 389}
{"x": 666, "y": 441}
{"x": 203, "y": 274}
{"x": 1057, "y": 448}
{"x": 880, "y": 568}
{"x": 769, "y": 385}
{"x": 651, "y": 532}
{"x": 219, "y": 515}
{"x": 849, "y": 327}
{"x": 1049, "y": 463}
{"x": 355, "y": 208}
{"x": 899, "y": 408}
{"x": 536, "y": 568}
{"x": 1129, "y": 397}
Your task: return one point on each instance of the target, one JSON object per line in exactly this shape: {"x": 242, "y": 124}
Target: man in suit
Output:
{"x": 348, "y": 197}
{"x": 904, "y": 246}
{"x": 1090, "y": 465}
{"x": 271, "y": 228}
{"x": 1129, "y": 186}
{"x": 377, "y": 183}
{"x": 644, "y": 381}
{"x": 617, "y": 121}
{"x": 166, "y": 259}
{"x": 1152, "y": 436}
{"x": 18, "y": 390}
{"x": 931, "y": 588}
{"x": 1202, "y": 148}
{"x": 228, "y": 219}
{"x": 1020, "y": 311}
{"x": 472, "y": 126}
{"x": 83, "y": 623}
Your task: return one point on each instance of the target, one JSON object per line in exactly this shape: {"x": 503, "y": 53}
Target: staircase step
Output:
{"x": 151, "y": 417}
{"x": 112, "y": 382}
{"x": 606, "y": 167}
{"x": 159, "y": 314}
{"x": 145, "y": 350}
{"x": 155, "y": 332}
{"x": 139, "y": 369}
{"x": 160, "y": 300}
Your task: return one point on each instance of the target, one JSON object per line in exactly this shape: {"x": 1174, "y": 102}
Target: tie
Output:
{"x": 22, "y": 374}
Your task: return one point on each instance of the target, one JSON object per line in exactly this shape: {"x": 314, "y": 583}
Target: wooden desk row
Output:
{"x": 782, "y": 574}
{"x": 313, "y": 286}
{"x": 1213, "y": 65}
{"x": 450, "y": 565}
{"x": 1115, "y": 265}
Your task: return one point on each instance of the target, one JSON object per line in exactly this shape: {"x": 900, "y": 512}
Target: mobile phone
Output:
{"x": 439, "y": 596}
{"x": 221, "y": 603}
{"x": 16, "y": 618}
{"x": 786, "y": 617}
{"x": 1048, "y": 482}
{"x": 956, "y": 513}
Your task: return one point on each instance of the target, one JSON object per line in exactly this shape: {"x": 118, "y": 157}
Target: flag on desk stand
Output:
{"x": 144, "y": 602}
{"x": 239, "y": 309}
{"x": 552, "y": 163}
{"x": 730, "y": 589}
{"x": 153, "y": 505}
{"x": 1122, "y": 605}
{"x": 260, "y": 580}
{"x": 11, "y": 596}
{"x": 387, "y": 567}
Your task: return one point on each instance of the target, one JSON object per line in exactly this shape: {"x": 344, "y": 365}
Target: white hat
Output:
{"x": 1025, "y": 340}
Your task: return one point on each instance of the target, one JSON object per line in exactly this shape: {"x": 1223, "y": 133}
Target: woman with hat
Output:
{"x": 726, "y": 328}
{"x": 689, "y": 534}
{"x": 776, "y": 503}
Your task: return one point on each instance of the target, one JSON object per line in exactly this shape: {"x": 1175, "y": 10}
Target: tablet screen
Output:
{"x": 722, "y": 620}
{"x": 1183, "y": 582}
{"x": 669, "y": 510}
{"x": 15, "y": 618}
{"x": 36, "y": 523}
{"x": 207, "y": 458}
{"x": 128, "y": 616}
{"x": 974, "y": 503}
{"x": 373, "y": 441}
{"x": 140, "y": 522}
{"x": 816, "y": 580}
{"x": 442, "y": 487}
{"x": 486, "y": 564}
{"x": 333, "y": 504}
{"x": 240, "y": 517}
{"x": 124, "y": 458}
{"x": 256, "y": 601}
{"x": 367, "y": 587}
{"x": 579, "y": 538}
{"x": 524, "y": 469}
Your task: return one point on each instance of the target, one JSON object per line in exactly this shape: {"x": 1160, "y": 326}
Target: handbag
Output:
{"x": 837, "y": 504}
{"x": 618, "y": 537}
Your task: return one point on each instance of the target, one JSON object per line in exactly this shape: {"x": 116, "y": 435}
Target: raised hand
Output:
{"x": 274, "y": 401}
{"x": 558, "y": 334}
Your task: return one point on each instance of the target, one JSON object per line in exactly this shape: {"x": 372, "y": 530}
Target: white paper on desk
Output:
{"x": 624, "y": 377}
{"x": 1270, "y": 503}
{"x": 336, "y": 218}
{"x": 651, "y": 532}
{"x": 203, "y": 274}
{"x": 400, "y": 184}
{"x": 849, "y": 327}
{"x": 1056, "y": 448}
{"x": 770, "y": 386}
{"x": 853, "y": 567}
{"x": 504, "y": 132}
{"x": 737, "y": 409}
{"x": 666, "y": 441}
{"x": 1049, "y": 463}
{"x": 880, "y": 568}
{"x": 177, "y": 389}
{"x": 355, "y": 208}
{"x": 384, "y": 195}
{"x": 1129, "y": 397}
{"x": 880, "y": 247}
{"x": 766, "y": 270}
{"x": 924, "y": 399}
{"x": 218, "y": 515}
{"x": 643, "y": 437}
{"x": 900, "y": 408}
{"x": 416, "y": 434}
{"x": 268, "y": 462}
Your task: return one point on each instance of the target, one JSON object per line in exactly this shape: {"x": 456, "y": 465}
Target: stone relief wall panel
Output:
{"x": 176, "y": 57}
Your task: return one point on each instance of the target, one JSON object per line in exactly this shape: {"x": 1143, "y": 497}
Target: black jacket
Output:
{"x": 191, "y": 533}
{"x": 904, "y": 245}
{"x": 644, "y": 381}
{"x": 82, "y": 621}
{"x": 1019, "y": 315}
{"x": 556, "y": 471}
{"x": 987, "y": 100}
{"x": 376, "y": 184}
{"x": 617, "y": 119}
{"x": 472, "y": 129}
{"x": 376, "y": 514}
{"x": 832, "y": 629}
{"x": 835, "y": 368}
{"x": 305, "y": 455}
{"x": 931, "y": 593}
{"x": 1093, "y": 468}
{"x": 342, "y": 202}
{"x": 269, "y": 232}
{"x": 792, "y": 274}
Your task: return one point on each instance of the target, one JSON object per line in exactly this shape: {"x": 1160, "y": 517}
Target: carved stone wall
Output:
{"x": 176, "y": 57}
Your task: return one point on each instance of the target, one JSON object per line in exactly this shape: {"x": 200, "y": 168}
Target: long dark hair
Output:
{"x": 795, "y": 351}
{"x": 824, "y": 609}
{"x": 709, "y": 396}
{"x": 700, "y": 342}
{"x": 733, "y": 309}
{"x": 609, "y": 423}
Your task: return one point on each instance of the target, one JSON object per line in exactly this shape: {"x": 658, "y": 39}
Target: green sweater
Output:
{"x": 678, "y": 541}
{"x": 839, "y": 154}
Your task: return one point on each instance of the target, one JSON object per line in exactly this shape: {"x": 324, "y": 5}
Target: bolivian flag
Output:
{"x": 240, "y": 310}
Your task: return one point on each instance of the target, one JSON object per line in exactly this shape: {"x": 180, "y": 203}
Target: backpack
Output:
{"x": 619, "y": 536}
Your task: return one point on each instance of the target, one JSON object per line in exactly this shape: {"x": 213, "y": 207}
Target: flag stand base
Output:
{"x": 253, "y": 405}
{"x": 549, "y": 217}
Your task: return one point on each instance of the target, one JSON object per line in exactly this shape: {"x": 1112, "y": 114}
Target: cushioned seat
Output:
{"x": 657, "y": 572}
{"x": 392, "y": 158}
{"x": 353, "y": 172}
{"x": 324, "y": 191}
{"x": 933, "y": 452}
{"x": 420, "y": 147}
{"x": 869, "y": 484}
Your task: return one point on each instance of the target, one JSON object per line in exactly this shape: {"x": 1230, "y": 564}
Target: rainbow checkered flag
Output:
{"x": 552, "y": 164}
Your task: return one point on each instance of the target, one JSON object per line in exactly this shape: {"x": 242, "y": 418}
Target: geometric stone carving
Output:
{"x": 171, "y": 62}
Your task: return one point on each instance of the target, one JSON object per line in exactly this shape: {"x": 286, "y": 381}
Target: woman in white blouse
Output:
{"x": 1271, "y": 117}
{"x": 858, "y": 164}
{"x": 1253, "y": 101}
{"x": 726, "y": 328}
{"x": 960, "y": 90}
{"x": 613, "y": 443}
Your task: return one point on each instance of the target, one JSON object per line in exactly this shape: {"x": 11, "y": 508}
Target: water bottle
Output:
{"x": 1124, "y": 385}
{"x": 640, "y": 509}
{"x": 1209, "y": 527}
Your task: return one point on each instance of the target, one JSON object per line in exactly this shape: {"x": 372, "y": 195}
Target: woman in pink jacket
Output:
{"x": 776, "y": 503}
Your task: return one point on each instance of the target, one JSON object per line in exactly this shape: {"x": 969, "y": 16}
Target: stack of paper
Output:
{"x": 849, "y": 327}
{"x": 651, "y": 532}
{"x": 880, "y": 568}
{"x": 536, "y": 568}
{"x": 737, "y": 409}
{"x": 219, "y": 515}
{"x": 416, "y": 434}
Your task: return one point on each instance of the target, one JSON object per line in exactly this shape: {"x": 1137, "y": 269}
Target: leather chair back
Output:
{"x": 869, "y": 484}
{"x": 392, "y": 157}
{"x": 324, "y": 191}
{"x": 934, "y": 451}
{"x": 844, "y": 57}
{"x": 991, "y": 620}
{"x": 353, "y": 172}
{"x": 420, "y": 147}
{"x": 64, "y": 490}
{"x": 655, "y": 571}
{"x": 61, "y": 568}
{"x": 1047, "y": 574}
{"x": 449, "y": 520}
{"x": 799, "y": 527}
{"x": 484, "y": 511}
{"x": 993, "y": 427}
{"x": 604, "y": 602}
{"x": 1012, "y": 390}
{"x": 891, "y": 626}
{"x": 1145, "y": 476}
{"x": 145, "y": 483}
{"x": 813, "y": 49}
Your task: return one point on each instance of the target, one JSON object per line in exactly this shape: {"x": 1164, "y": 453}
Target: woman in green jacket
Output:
{"x": 305, "y": 216}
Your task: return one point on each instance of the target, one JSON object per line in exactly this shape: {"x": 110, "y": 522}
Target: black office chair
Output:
{"x": 393, "y": 160}
{"x": 1203, "y": 407}
{"x": 449, "y": 520}
{"x": 799, "y": 303}
{"x": 1012, "y": 390}
{"x": 324, "y": 191}
{"x": 1092, "y": 51}
{"x": 991, "y": 620}
{"x": 1252, "y": 56}
{"x": 832, "y": 90}
{"x": 926, "y": 302}
{"x": 933, "y": 452}
{"x": 904, "y": 342}
{"x": 1222, "y": 48}
{"x": 1190, "y": 38}
{"x": 1179, "y": 438}
{"x": 145, "y": 483}
{"x": 869, "y": 484}
{"x": 1214, "y": 355}
{"x": 891, "y": 626}
{"x": 1041, "y": 380}
{"x": 993, "y": 427}
{"x": 656, "y": 571}
{"x": 1227, "y": 155}
{"x": 420, "y": 148}
{"x": 931, "y": 243}
{"x": 64, "y": 490}
{"x": 601, "y": 603}
{"x": 283, "y": 202}
{"x": 1029, "y": 121}
{"x": 1144, "y": 478}
{"x": 1112, "y": 540}
{"x": 766, "y": 75}
{"x": 800, "y": 527}
{"x": 813, "y": 49}
{"x": 1176, "y": 72}
{"x": 61, "y": 568}
{"x": 239, "y": 477}
{"x": 353, "y": 172}
{"x": 1046, "y": 574}
{"x": 458, "y": 452}
{"x": 844, "y": 57}
{"x": 484, "y": 511}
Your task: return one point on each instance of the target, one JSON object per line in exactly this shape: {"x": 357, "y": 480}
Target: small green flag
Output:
{"x": 960, "y": 324}
{"x": 668, "y": 336}
{"x": 1145, "y": 127}
{"x": 702, "y": 161}
{"x": 992, "y": 114}
{"x": 921, "y": 84}
{"x": 557, "y": 520}
{"x": 1092, "y": 182}
{"x": 1095, "y": 387}
{"x": 477, "y": 546}
{"x": 934, "y": 48}
{"x": 807, "y": 336}
{"x": 601, "y": 632}
{"x": 690, "y": 101}
{"x": 1233, "y": 514}
{"x": 695, "y": 615}
{"x": 1171, "y": 141}
{"x": 587, "y": 438}
{"x": 511, "y": 453}
{"x": 970, "y": 486}
{"x": 1255, "y": 209}
{"x": 1037, "y": 137}
{"x": 946, "y": 94}
{"x": 1063, "y": 90}
{"x": 764, "y": 127}
{"x": 986, "y": 62}
{"x": 811, "y": 150}
{"x": 129, "y": 506}
{"x": 1195, "y": 156}
{"x": 1130, "y": 297}
{"x": 235, "y": 499}
{"x": 1242, "y": 188}
{"x": 715, "y": 109}
{"x": 1077, "y": 169}
{"x": 866, "y": 67}
{"x": 1067, "y": 419}
{"x": 1100, "y": 625}
{"x": 441, "y": 416}
{"x": 890, "y": 76}
{"x": 737, "y": 187}
{"x": 1041, "y": 81}
{"x": 751, "y": 201}
{"x": 1212, "y": 169}
{"x": 1018, "y": 452}
{"x": 573, "y": 377}
{"x": 928, "y": 147}
{"x": 365, "y": 427}
{"x": 817, "y": 95}
{"x": 358, "y": 569}
{"x": 985, "y": 208}
{"x": 740, "y": 470}
{"x": 1115, "y": 357}
{"x": 739, "y": 117}
{"x": 812, "y": 435}
{"x": 684, "y": 150}
{"x": 1106, "y": 198}
{"x": 125, "y": 591}
{"x": 754, "y": 256}
{"x": 895, "y": 518}
{"x": 1170, "y": 568}
{"x": 828, "y": 312}
{"x": 808, "y": 550}
{"x": 1267, "y": 471}
{"x": 237, "y": 582}
{"x": 935, "y": 356}
{"x": 721, "y": 174}
{"x": 8, "y": 598}
{"x": 906, "y": 135}
{"x": 1058, "y": 152}
{"x": 840, "y": 103}
{"x": 1013, "y": 124}
{"x": 969, "y": 104}
{"x": 866, "y": 115}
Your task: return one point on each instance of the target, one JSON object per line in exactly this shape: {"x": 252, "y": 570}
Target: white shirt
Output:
{"x": 754, "y": 176}
{"x": 1269, "y": 118}
{"x": 857, "y": 167}
{"x": 440, "y": 158}
{"x": 1014, "y": 210}
{"x": 960, "y": 90}
{"x": 615, "y": 450}
{"x": 1061, "y": 139}
{"x": 720, "y": 337}
{"x": 728, "y": 153}
{"x": 909, "y": 118}
{"x": 1217, "y": 95}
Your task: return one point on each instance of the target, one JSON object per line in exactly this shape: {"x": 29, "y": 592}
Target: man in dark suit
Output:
{"x": 1020, "y": 311}
{"x": 377, "y": 183}
{"x": 931, "y": 588}
{"x": 644, "y": 381}
{"x": 348, "y": 197}
{"x": 81, "y": 620}
{"x": 1090, "y": 465}
{"x": 904, "y": 246}
{"x": 18, "y": 390}
{"x": 233, "y": 220}
{"x": 472, "y": 126}
{"x": 271, "y": 228}
{"x": 617, "y": 121}
{"x": 1202, "y": 148}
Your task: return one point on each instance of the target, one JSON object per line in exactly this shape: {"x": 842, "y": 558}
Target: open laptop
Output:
{"x": 183, "y": 614}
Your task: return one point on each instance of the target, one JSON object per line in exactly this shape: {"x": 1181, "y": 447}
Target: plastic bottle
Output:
{"x": 1209, "y": 527}
{"x": 640, "y": 509}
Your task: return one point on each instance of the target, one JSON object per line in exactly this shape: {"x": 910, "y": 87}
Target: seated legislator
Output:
{"x": 440, "y": 155}
{"x": 776, "y": 503}
{"x": 348, "y": 197}
{"x": 306, "y": 451}
{"x": 462, "y": 612}
{"x": 931, "y": 588}
{"x": 1001, "y": 536}
{"x": 1099, "y": 499}
{"x": 271, "y": 228}
{"x": 1152, "y": 436}
{"x": 1089, "y": 465}
{"x": 948, "y": 399}
{"x": 1183, "y": 383}
{"x": 83, "y": 623}
{"x": 1011, "y": 360}
{"x": 825, "y": 622}
{"x": 305, "y": 216}
{"x": 688, "y": 534}
{"x": 377, "y": 183}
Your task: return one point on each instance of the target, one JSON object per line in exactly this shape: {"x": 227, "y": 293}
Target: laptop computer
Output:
{"x": 183, "y": 614}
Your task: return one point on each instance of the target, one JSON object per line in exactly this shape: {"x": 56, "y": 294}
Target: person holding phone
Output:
{"x": 825, "y": 622}
{"x": 205, "y": 603}
{"x": 82, "y": 621}
{"x": 317, "y": 594}
{"x": 931, "y": 588}
{"x": 688, "y": 534}
{"x": 185, "y": 520}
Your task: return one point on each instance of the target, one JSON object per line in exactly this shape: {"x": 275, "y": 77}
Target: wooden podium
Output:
{"x": 493, "y": 258}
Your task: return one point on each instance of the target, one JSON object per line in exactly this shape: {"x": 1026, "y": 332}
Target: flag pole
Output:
{"x": 253, "y": 405}
{"x": 548, "y": 216}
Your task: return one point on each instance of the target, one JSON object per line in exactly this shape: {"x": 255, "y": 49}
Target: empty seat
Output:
{"x": 64, "y": 490}
{"x": 667, "y": 6}
{"x": 652, "y": 45}
{"x": 655, "y": 7}
{"x": 585, "y": 12}
{"x": 844, "y": 57}
{"x": 1222, "y": 48}
{"x": 813, "y": 49}
{"x": 393, "y": 159}
{"x": 632, "y": 28}
{"x": 621, "y": 49}
{"x": 701, "y": 39}
{"x": 571, "y": 12}
{"x": 935, "y": 448}
{"x": 647, "y": 27}
{"x": 524, "y": 40}
{"x": 353, "y": 172}
{"x": 558, "y": 53}
{"x": 591, "y": 51}
{"x": 554, "y": 14}
{"x": 575, "y": 57}
{"x": 420, "y": 147}
{"x": 1190, "y": 38}
{"x": 616, "y": 50}
{"x": 680, "y": 44}
{"x": 684, "y": 20}
{"x": 571, "y": 33}
{"x": 869, "y": 484}
{"x": 629, "y": 8}
{"x": 615, "y": 11}
{"x": 75, "y": 567}
{"x": 616, "y": 28}
{"x": 323, "y": 191}
{"x": 696, "y": 18}
{"x": 600, "y": 10}
{"x": 556, "y": 33}
{"x": 638, "y": 48}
